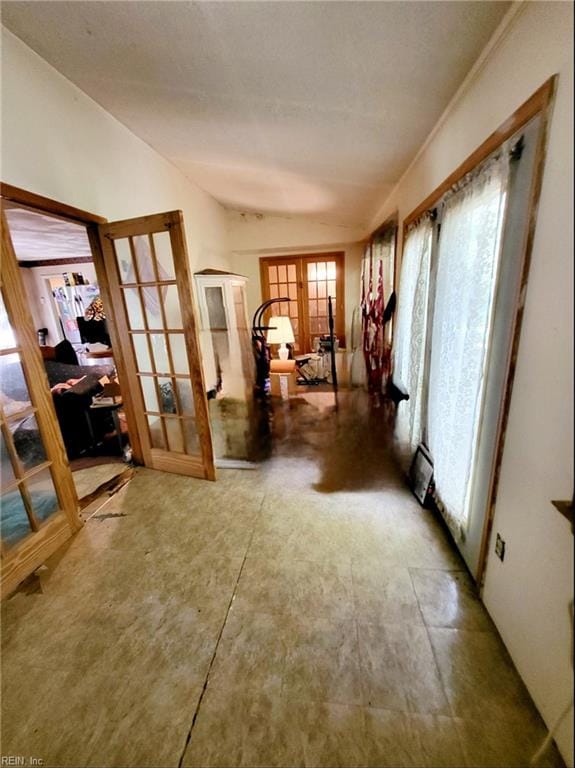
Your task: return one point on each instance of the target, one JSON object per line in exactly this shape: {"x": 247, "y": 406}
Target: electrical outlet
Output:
{"x": 499, "y": 547}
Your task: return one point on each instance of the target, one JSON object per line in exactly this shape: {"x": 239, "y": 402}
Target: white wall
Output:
{"x": 528, "y": 594}
{"x": 58, "y": 142}
{"x": 252, "y": 236}
{"x": 40, "y": 300}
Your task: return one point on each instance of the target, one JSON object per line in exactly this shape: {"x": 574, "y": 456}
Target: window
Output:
{"x": 410, "y": 335}
{"x": 467, "y": 267}
{"x": 307, "y": 281}
{"x": 459, "y": 371}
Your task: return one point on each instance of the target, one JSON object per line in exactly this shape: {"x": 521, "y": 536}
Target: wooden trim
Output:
{"x": 147, "y": 225}
{"x": 10, "y": 351}
{"x": 190, "y": 325}
{"x": 53, "y": 263}
{"x": 180, "y": 464}
{"x": 544, "y": 99}
{"x": 45, "y": 204}
{"x": 536, "y": 103}
{"x": 156, "y": 281}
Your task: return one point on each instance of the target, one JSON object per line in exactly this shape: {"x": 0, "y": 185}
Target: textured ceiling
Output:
{"x": 310, "y": 108}
{"x": 38, "y": 237}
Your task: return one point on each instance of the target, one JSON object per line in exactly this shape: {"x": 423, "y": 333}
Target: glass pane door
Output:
{"x": 147, "y": 270}
{"x": 321, "y": 283}
{"x": 39, "y": 507}
{"x": 283, "y": 281}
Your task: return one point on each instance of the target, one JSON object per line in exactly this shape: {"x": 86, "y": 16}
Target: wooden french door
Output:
{"x": 38, "y": 503}
{"x": 146, "y": 280}
{"x": 307, "y": 281}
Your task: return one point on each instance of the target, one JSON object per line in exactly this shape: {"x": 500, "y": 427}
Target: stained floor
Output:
{"x": 87, "y": 480}
{"x": 305, "y": 613}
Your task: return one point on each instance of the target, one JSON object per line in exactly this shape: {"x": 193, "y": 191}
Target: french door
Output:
{"x": 144, "y": 277}
{"x": 307, "y": 281}
{"x": 39, "y": 506}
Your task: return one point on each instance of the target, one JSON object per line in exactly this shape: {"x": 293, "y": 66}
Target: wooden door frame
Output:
{"x": 302, "y": 290}
{"x": 21, "y": 560}
{"x": 55, "y": 208}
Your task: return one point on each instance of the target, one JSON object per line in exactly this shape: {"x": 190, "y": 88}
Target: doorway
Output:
{"x": 307, "y": 281}
{"x": 144, "y": 259}
{"x": 61, "y": 288}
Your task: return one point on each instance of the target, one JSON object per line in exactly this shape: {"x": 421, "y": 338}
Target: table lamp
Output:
{"x": 280, "y": 332}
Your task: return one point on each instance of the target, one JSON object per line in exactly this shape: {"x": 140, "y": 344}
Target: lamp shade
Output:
{"x": 280, "y": 331}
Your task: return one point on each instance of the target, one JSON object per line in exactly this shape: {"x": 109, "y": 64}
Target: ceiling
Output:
{"x": 309, "y": 108}
{"x": 37, "y": 237}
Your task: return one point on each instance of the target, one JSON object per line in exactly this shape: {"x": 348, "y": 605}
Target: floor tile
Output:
{"x": 399, "y": 670}
{"x": 332, "y": 735}
{"x": 282, "y": 605}
{"x": 384, "y": 593}
{"x": 322, "y": 662}
{"x": 296, "y": 587}
{"x": 398, "y": 740}
{"x": 236, "y": 730}
{"x": 449, "y": 599}
{"x": 489, "y": 742}
{"x": 479, "y": 677}
{"x": 252, "y": 652}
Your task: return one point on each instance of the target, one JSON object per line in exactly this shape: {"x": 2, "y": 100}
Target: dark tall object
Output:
{"x": 261, "y": 348}
{"x": 332, "y": 344}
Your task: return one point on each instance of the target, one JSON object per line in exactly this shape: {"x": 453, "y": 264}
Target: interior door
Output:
{"x": 281, "y": 278}
{"x": 307, "y": 281}
{"x": 39, "y": 506}
{"x": 148, "y": 281}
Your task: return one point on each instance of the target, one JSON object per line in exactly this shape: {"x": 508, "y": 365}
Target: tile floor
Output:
{"x": 306, "y": 613}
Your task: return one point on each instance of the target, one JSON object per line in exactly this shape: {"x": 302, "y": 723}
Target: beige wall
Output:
{"x": 58, "y": 142}
{"x": 528, "y": 594}
{"x": 252, "y": 236}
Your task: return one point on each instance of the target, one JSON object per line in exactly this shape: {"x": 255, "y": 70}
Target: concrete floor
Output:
{"x": 306, "y": 613}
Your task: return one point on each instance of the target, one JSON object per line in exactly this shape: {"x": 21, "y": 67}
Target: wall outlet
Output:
{"x": 499, "y": 547}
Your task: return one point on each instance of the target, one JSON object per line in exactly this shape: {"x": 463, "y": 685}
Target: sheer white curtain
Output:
{"x": 469, "y": 246}
{"x": 409, "y": 337}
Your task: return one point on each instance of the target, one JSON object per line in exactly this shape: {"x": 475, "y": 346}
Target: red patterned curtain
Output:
{"x": 376, "y": 287}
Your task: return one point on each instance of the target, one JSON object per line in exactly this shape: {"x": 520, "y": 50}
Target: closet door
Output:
{"x": 146, "y": 266}
{"x": 38, "y": 499}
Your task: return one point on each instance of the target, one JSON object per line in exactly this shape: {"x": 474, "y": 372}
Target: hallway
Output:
{"x": 305, "y": 613}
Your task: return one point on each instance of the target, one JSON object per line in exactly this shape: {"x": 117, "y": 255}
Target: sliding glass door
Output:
{"x": 467, "y": 262}
{"x": 410, "y": 336}
{"x": 459, "y": 306}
